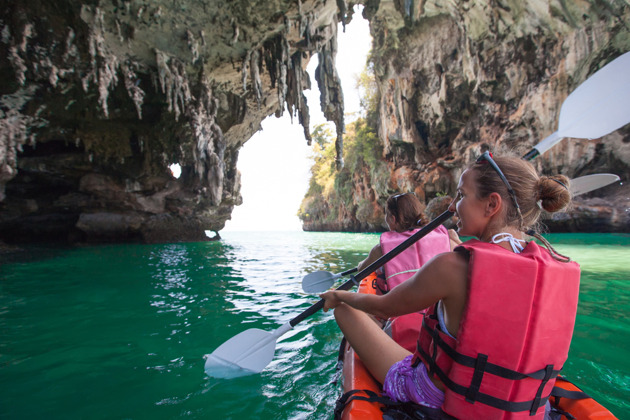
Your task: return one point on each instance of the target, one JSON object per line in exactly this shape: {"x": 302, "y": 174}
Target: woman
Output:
{"x": 501, "y": 308}
{"x": 404, "y": 215}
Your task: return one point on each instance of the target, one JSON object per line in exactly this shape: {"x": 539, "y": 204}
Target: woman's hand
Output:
{"x": 452, "y": 234}
{"x": 331, "y": 299}
{"x": 454, "y": 239}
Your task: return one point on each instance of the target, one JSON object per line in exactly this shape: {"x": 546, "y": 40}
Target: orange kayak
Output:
{"x": 358, "y": 379}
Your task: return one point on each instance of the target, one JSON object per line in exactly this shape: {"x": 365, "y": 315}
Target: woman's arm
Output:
{"x": 375, "y": 254}
{"x": 443, "y": 277}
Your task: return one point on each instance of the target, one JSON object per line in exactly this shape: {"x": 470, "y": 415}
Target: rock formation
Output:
{"x": 456, "y": 78}
{"x": 98, "y": 98}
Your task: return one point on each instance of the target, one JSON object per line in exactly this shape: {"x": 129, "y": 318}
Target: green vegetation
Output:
{"x": 354, "y": 195}
{"x": 343, "y": 194}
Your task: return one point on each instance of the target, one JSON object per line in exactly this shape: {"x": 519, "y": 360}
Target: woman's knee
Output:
{"x": 343, "y": 313}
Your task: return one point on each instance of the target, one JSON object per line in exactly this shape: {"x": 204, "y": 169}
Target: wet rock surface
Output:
{"x": 99, "y": 98}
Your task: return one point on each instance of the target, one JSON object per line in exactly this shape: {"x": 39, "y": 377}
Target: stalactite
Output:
{"x": 104, "y": 64}
{"x": 256, "y": 82}
{"x": 193, "y": 45}
{"x": 174, "y": 82}
{"x": 202, "y": 35}
{"x": 245, "y": 70}
{"x": 297, "y": 82}
{"x": 71, "y": 49}
{"x": 17, "y": 53}
{"x": 15, "y": 131}
{"x": 235, "y": 33}
{"x": 283, "y": 69}
{"x": 210, "y": 144}
{"x": 331, "y": 94}
{"x": 343, "y": 9}
{"x": 132, "y": 85}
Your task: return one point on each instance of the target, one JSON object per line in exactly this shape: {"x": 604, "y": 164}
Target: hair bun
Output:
{"x": 554, "y": 194}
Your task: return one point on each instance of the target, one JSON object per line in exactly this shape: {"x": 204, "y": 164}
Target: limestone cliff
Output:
{"x": 455, "y": 78}
{"x": 99, "y": 97}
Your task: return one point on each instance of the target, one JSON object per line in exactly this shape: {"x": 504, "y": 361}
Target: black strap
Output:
{"x": 369, "y": 396}
{"x": 392, "y": 409}
{"x": 537, "y": 399}
{"x": 558, "y": 392}
{"x": 491, "y": 368}
{"x": 511, "y": 406}
{"x": 475, "y": 383}
{"x": 377, "y": 286}
{"x": 482, "y": 366}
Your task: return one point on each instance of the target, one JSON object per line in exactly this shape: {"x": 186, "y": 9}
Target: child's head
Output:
{"x": 406, "y": 211}
{"x": 439, "y": 205}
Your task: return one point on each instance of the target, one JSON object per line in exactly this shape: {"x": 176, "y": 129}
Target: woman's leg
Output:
{"x": 377, "y": 350}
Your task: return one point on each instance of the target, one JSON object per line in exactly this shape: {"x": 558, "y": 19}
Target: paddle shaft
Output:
{"x": 345, "y": 273}
{"x": 377, "y": 264}
{"x": 531, "y": 154}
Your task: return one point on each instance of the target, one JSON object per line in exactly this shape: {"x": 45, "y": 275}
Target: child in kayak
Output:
{"x": 404, "y": 215}
{"x": 502, "y": 309}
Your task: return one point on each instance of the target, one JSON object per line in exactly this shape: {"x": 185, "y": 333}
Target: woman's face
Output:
{"x": 469, "y": 209}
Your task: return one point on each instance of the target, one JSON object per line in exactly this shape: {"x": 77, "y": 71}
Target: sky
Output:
{"x": 275, "y": 164}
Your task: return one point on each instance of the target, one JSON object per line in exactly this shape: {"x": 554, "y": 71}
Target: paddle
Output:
{"x": 588, "y": 183}
{"x": 252, "y": 350}
{"x": 595, "y": 108}
{"x": 319, "y": 281}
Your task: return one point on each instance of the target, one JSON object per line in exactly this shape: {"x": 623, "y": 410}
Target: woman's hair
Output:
{"x": 408, "y": 210}
{"x": 533, "y": 193}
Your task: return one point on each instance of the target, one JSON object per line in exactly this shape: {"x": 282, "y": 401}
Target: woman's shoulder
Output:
{"x": 448, "y": 263}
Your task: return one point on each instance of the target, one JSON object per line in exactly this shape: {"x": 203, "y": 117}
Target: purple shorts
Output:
{"x": 404, "y": 383}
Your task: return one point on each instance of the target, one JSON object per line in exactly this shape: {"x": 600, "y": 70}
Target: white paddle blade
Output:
{"x": 597, "y": 107}
{"x": 318, "y": 281}
{"x": 601, "y": 104}
{"x": 588, "y": 183}
{"x": 244, "y": 354}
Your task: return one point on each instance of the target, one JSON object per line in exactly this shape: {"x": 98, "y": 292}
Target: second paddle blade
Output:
{"x": 318, "y": 282}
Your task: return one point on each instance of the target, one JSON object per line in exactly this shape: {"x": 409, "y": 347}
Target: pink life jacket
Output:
{"x": 404, "y": 265}
{"x": 514, "y": 335}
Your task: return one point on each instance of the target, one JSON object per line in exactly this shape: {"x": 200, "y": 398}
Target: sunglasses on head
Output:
{"x": 397, "y": 196}
{"x": 487, "y": 158}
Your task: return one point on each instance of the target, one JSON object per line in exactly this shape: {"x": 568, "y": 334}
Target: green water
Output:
{"x": 120, "y": 331}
